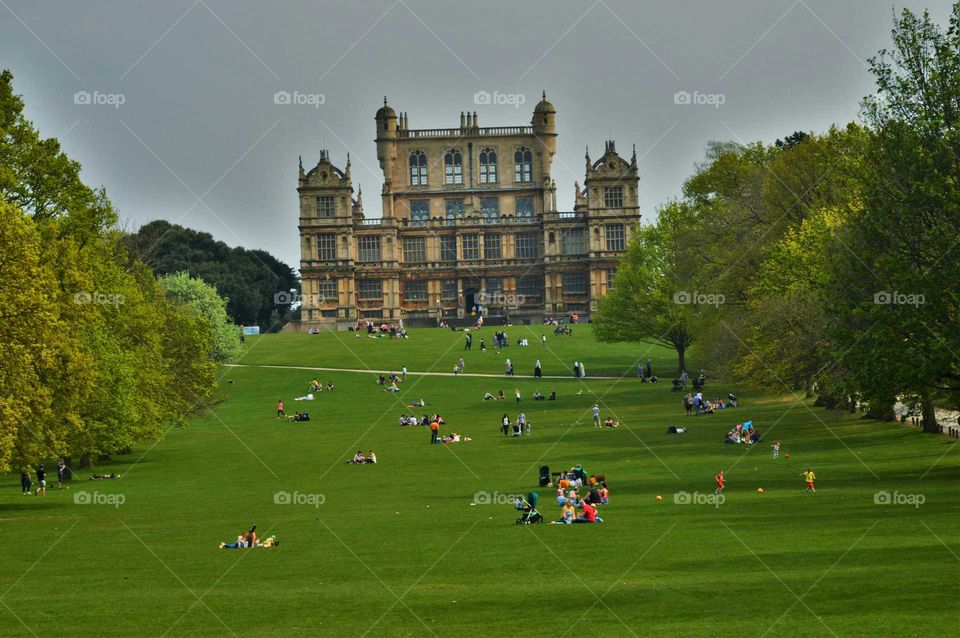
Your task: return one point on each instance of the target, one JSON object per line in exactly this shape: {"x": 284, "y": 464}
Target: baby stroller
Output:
{"x": 529, "y": 508}
{"x": 677, "y": 386}
{"x": 545, "y": 476}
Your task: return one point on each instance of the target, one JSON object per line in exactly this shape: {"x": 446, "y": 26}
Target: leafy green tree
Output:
{"x": 93, "y": 356}
{"x": 648, "y": 302}
{"x": 249, "y": 279}
{"x": 899, "y": 310}
{"x": 203, "y": 299}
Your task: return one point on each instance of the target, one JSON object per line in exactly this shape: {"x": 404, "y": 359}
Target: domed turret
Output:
{"x": 544, "y": 124}
{"x": 544, "y": 120}
{"x": 544, "y": 106}
{"x": 386, "y": 121}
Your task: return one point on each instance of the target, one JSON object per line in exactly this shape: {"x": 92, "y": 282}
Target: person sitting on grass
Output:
{"x": 567, "y": 514}
{"x": 393, "y": 387}
{"x": 372, "y": 458}
{"x": 330, "y": 386}
{"x": 357, "y": 458}
{"x": 604, "y": 494}
{"x": 489, "y": 397}
{"x": 381, "y": 380}
{"x": 538, "y": 396}
{"x": 553, "y": 395}
{"x": 588, "y": 514}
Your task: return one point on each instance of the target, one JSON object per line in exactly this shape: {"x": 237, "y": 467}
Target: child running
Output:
{"x": 809, "y": 477}
{"x": 721, "y": 483}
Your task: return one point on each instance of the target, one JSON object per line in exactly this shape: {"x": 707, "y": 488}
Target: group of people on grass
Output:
{"x": 317, "y": 386}
{"x": 249, "y": 540}
{"x": 424, "y": 420}
{"x": 382, "y": 330}
{"x": 744, "y": 433}
{"x": 696, "y": 404}
{"x": 568, "y": 498}
{"x": 434, "y": 422}
{"x": 359, "y": 458}
{"x": 609, "y": 422}
{"x": 537, "y": 396}
{"x": 520, "y": 427}
{"x": 26, "y": 483}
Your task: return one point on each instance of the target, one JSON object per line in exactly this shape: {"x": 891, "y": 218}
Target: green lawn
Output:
{"x": 398, "y": 549}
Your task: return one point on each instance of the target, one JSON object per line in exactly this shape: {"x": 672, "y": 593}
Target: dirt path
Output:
{"x": 413, "y": 373}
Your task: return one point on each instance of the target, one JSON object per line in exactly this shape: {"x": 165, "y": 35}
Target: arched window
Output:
{"x": 488, "y": 166}
{"x": 523, "y": 165}
{"x": 452, "y": 167}
{"x": 418, "y": 168}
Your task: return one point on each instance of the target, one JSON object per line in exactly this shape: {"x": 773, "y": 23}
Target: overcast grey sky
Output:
{"x": 198, "y": 139}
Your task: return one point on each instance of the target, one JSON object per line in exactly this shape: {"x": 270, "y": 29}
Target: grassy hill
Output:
{"x": 425, "y": 543}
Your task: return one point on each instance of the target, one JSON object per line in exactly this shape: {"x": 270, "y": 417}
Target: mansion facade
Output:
{"x": 470, "y": 223}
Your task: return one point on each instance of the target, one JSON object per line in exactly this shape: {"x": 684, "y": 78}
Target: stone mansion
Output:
{"x": 470, "y": 223}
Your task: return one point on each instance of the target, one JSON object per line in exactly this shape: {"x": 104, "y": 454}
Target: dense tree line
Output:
{"x": 248, "y": 279}
{"x": 825, "y": 264}
{"x": 95, "y": 356}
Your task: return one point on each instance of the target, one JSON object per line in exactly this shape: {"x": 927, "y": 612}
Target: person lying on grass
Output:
{"x": 103, "y": 477}
{"x": 453, "y": 437}
{"x": 247, "y": 539}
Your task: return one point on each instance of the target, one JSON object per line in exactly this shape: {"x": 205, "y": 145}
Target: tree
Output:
{"x": 899, "y": 316}
{"x": 93, "y": 357}
{"x": 649, "y": 302}
{"x": 249, "y": 279}
{"x": 204, "y": 301}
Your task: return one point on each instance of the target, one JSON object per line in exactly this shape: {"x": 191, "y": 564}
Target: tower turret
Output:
{"x": 386, "y": 119}
{"x": 544, "y": 125}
